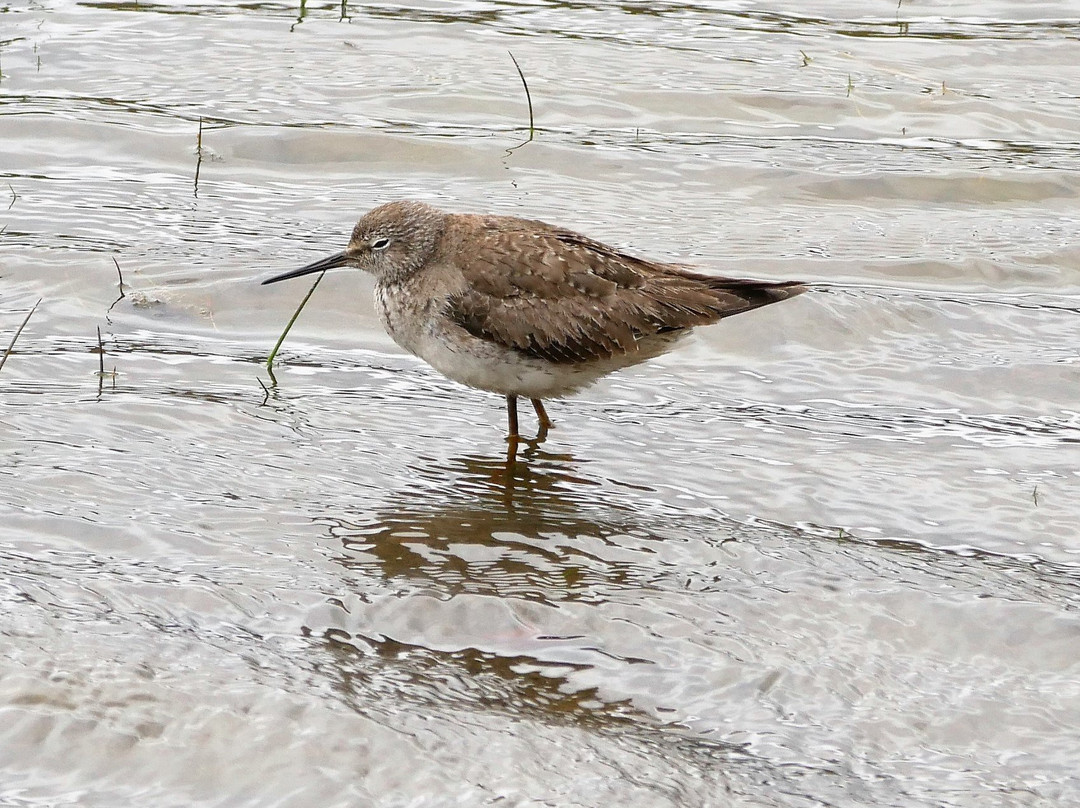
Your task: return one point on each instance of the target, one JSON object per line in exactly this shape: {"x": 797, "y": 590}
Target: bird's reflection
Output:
{"x": 530, "y": 524}
{"x": 369, "y": 669}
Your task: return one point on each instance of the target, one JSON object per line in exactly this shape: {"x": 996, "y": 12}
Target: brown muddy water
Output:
{"x": 825, "y": 554}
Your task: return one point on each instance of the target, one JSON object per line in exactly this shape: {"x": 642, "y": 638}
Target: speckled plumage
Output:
{"x": 523, "y": 308}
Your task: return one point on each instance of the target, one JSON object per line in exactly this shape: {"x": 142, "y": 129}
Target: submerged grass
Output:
{"x": 120, "y": 275}
{"x": 198, "y": 156}
{"x": 102, "y": 373}
{"x": 18, "y": 331}
{"x": 528, "y": 96}
{"x": 123, "y": 294}
{"x": 289, "y": 325}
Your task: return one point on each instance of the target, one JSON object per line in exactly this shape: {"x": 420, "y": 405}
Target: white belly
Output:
{"x": 450, "y": 349}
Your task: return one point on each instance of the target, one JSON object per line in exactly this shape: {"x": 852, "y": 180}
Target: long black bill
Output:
{"x": 330, "y": 262}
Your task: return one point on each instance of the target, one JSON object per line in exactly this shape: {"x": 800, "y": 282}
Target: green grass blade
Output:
{"x": 289, "y": 325}
{"x": 11, "y": 346}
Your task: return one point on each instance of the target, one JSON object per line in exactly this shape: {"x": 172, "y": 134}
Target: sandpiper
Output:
{"x": 523, "y": 308}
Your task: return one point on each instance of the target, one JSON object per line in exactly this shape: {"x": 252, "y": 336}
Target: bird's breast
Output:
{"x": 405, "y": 316}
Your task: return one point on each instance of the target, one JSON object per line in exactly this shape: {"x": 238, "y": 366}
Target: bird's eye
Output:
{"x": 380, "y": 243}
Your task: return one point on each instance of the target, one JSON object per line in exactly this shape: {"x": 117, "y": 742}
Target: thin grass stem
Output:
{"x": 528, "y": 96}
{"x": 289, "y": 325}
{"x": 18, "y": 331}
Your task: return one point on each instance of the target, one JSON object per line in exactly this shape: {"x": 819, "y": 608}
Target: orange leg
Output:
{"x": 542, "y": 417}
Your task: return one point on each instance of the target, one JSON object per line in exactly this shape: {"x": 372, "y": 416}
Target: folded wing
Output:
{"x": 555, "y": 295}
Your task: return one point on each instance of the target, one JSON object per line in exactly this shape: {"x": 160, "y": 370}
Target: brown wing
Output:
{"x": 556, "y": 295}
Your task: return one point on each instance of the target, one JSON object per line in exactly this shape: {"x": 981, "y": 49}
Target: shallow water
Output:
{"x": 823, "y": 554}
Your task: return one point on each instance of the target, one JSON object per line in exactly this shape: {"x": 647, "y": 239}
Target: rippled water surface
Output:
{"x": 825, "y": 554}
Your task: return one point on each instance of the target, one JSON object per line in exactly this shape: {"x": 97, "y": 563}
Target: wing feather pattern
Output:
{"x": 555, "y": 295}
